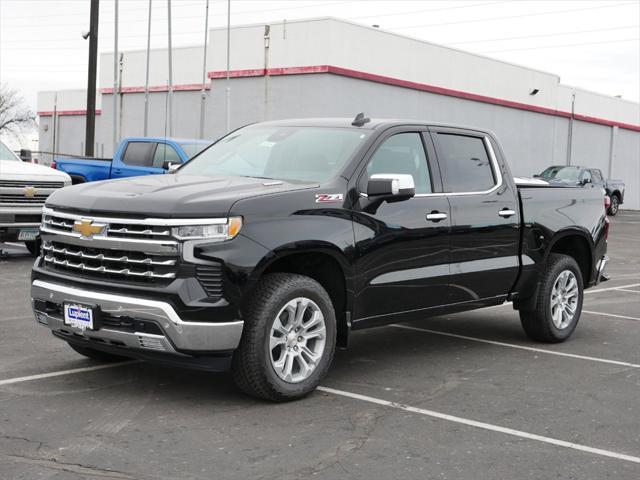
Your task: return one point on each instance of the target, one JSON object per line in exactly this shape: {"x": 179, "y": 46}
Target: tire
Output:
{"x": 255, "y": 368}
{"x": 615, "y": 205}
{"x": 34, "y": 247}
{"x": 539, "y": 324}
{"x": 97, "y": 354}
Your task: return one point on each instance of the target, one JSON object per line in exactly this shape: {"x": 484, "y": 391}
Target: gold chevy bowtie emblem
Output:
{"x": 87, "y": 228}
{"x": 30, "y": 191}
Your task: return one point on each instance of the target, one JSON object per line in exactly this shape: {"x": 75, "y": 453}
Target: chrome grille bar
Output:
{"x": 103, "y": 269}
{"x": 47, "y": 247}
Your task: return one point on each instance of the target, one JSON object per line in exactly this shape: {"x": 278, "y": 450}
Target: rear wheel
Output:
{"x": 288, "y": 339}
{"x": 615, "y": 205}
{"x": 97, "y": 354}
{"x": 559, "y": 302}
{"x": 34, "y": 247}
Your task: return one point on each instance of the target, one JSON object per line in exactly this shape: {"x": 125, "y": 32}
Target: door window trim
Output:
{"x": 421, "y": 131}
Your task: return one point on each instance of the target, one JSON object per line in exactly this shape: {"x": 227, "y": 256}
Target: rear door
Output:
{"x": 402, "y": 248}
{"x": 484, "y": 215}
{"x": 136, "y": 159}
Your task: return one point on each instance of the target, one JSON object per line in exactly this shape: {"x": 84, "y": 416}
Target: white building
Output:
{"x": 331, "y": 67}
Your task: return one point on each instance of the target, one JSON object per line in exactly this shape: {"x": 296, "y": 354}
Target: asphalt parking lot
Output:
{"x": 466, "y": 396}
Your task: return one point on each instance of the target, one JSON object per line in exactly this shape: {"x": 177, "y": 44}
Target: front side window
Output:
{"x": 586, "y": 176}
{"x": 464, "y": 163}
{"x": 314, "y": 154}
{"x": 165, "y": 153}
{"x": 138, "y": 154}
{"x": 569, "y": 174}
{"x": 597, "y": 176}
{"x": 402, "y": 153}
{"x": 6, "y": 154}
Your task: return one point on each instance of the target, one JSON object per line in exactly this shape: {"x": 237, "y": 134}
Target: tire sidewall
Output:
{"x": 615, "y": 205}
{"x": 275, "y": 304}
{"x": 565, "y": 263}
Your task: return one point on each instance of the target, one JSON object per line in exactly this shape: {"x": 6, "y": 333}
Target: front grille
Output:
{"x": 62, "y": 223}
{"x": 23, "y": 184}
{"x": 210, "y": 277}
{"x": 21, "y": 198}
{"x": 20, "y": 192}
{"x": 108, "y": 263}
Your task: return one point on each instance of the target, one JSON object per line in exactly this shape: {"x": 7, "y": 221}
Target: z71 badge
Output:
{"x": 329, "y": 197}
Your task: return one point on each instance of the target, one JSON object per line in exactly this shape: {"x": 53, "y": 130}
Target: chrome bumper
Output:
{"x": 179, "y": 334}
{"x": 602, "y": 264}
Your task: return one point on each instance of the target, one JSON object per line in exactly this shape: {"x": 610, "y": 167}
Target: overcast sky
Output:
{"x": 590, "y": 44}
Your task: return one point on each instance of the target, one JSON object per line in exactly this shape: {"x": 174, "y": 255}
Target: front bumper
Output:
{"x": 178, "y": 338}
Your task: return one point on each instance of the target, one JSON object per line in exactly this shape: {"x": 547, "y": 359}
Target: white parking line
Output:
{"x": 612, "y": 288}
{"x": 628, "y": 290}
{"x": 59, "y": 373}
{"x": 484, "y": 426}
{"x": 520, "y": 347}
{"x": 611, "y": 315}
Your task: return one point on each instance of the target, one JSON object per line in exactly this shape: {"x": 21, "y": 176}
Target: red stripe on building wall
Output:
{"x": 159, "y": 88}
{"x": 423, "y": 87}
{"x": 66, "y": 112}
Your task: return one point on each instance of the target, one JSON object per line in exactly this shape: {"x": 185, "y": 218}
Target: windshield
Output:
{"x": 284, "y": 153}
{"x": 6, "y": 154}
{"x": 562, "y": 173}
{"x": 192, "y": 149}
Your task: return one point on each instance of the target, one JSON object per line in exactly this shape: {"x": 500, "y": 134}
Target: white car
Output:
{"x": 24, "y": 187}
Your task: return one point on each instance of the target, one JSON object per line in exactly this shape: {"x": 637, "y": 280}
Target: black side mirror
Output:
{"x": 584, "y": 181}
{"x": 385, "y": 186}
{"x": 25, "y": 155}
{"x": 536, "y": 175}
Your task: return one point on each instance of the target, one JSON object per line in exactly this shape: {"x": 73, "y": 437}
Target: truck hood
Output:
{"x": 11, "y": 170}
{"x": 168, "y": 196}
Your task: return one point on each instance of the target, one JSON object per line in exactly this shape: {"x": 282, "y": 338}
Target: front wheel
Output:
{"x": 288, "y": 339}
{"x": 615, "y": 205}
{"x": 559, "y": 302}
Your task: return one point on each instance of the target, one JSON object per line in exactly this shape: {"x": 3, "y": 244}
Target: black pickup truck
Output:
{"x": 586, "y": 177}
{"x": 264, "y": 252}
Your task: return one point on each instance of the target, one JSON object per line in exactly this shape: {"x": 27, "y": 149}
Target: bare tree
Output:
{"x": 15, "y": 115}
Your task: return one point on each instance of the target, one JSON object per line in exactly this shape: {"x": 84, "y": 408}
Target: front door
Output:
{"x": 402, "y": 248}
{"x": 485, "y": 234}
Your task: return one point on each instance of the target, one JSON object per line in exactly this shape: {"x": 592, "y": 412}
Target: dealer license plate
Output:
{"x": 78, "y": 316}
{"x": 28, "y": 234}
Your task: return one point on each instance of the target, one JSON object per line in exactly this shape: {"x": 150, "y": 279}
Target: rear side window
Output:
{"x": 163, "y": 153}
{"x": 464, "y": 163}
{"x": 138, "y": 154}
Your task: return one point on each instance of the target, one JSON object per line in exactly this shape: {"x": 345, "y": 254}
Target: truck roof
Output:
{"x": 372, "y": 124}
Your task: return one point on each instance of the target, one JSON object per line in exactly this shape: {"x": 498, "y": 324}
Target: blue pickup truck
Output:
{"x": 134, "y": 157}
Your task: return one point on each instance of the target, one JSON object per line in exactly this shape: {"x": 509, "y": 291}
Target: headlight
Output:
{"x": 217, "y": 232}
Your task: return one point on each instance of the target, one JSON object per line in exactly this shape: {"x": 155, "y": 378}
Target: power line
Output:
{"x": 561, "y": 45}
{"x": 486, "y": 40}
{"x": 507, "y": 17}
{"x": 482, "y": 4}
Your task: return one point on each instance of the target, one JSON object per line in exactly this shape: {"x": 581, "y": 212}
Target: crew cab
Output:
{"x": 586, "y": 177}
{"x": 24, "y": 187}
{"x": 134, "y": 156}
{"x": 263, "y": 253}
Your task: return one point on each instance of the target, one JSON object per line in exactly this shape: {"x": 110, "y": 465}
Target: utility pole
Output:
{"x": 90, "y": 127}
{"x": 170, "y": 93}
{"x": 228, "y": 65}
{"x": 115, "y": 80}
{"x": 203, "y": 93}
{"x": 146, "y": 83}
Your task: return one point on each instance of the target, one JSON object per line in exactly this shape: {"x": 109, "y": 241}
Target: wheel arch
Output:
{"x": 325, "y": 263}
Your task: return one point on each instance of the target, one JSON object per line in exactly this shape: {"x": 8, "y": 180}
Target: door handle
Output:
{"x": 436, "y": 216}
{"x": 506, "y": 212}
